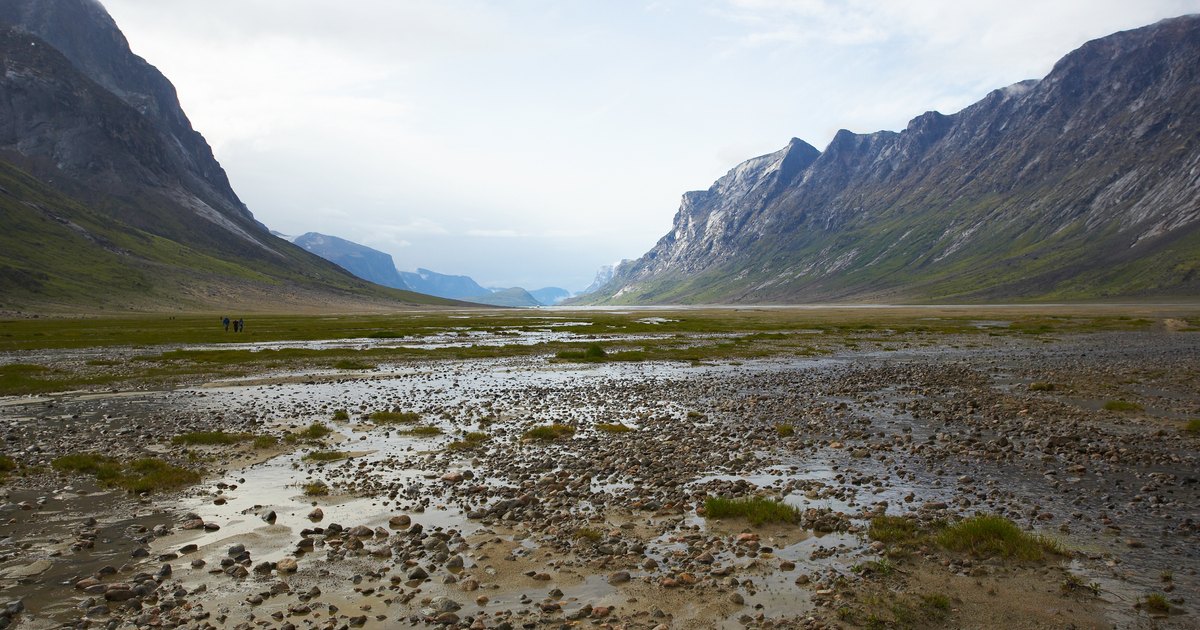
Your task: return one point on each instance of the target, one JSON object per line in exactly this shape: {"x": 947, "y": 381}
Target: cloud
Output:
{"x": 553, "y": 137}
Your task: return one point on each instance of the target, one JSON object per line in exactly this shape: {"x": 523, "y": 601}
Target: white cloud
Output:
{"x": 553, "y": 137}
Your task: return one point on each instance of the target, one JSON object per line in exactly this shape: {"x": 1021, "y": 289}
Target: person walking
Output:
{"x": 225, "y": 321}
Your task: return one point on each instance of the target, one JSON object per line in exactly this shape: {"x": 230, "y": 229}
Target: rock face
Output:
{"x": 144, "y": 140}
{"x": 550, "y": 296}
{"x": 442, "y": 285}
{"x": 98, "y": 160}
{"x": 1081, "y": 185}
{"x": 360, "y": 260}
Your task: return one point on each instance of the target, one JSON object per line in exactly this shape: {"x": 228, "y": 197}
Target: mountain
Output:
{"x": 549, "y": 296}
{"x": 603, "y": 276}
{"x": 442, "y": 285}
{"x": 111, "y": 201}
{"x": 1082, "y": 185}
{"x": 515, "y": 297}
{"x": 360, "y": 260}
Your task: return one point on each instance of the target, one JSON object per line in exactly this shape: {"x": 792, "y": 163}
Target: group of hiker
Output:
{"x": 238, "y": 324}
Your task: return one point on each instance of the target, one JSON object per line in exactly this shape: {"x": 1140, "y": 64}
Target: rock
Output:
{"x": 286, "y": 565}
{"x": 361, "y": 531}
{"x": 316, "y": 515}
{"x": 400, "y": 520}
{"x": 452, "y": 477}
{"x": 737, "y": 598}
{"x": 444, "y": 604}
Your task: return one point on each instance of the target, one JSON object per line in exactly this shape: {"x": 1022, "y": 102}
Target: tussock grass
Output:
{"x": 394, "y": 417}
{"x": 613, "y": 428}
{"x": 266, "y": 441}
{"x": 785, "y": 430}
{"x": 550, "y": 432}
{"x": 326, "y": 456}
{"x": 893, "y": 530}
{"x": 1122, "y": 405}
{"x": 593, "y": 352}
{"x": 1157, "y": 603}
{"x": 1041, "y": 387}
{"x": 470, "y": 440}
{"x": 316, "y": 489}
{"x": 1193, "y": 427}
{"x": 757, "y": 510}
{"x": 314, "y": 431}
{"x": 142, "y": 475}
{"x": 988, "y": 535}
{"x": 340, "y": 415}
{"x": 211, "y": 438}
{"x": 152, "y": 474}
{"x": 424, "y": 431}
{"x": 589, "y": 534}
{"x": 7, "y": 465}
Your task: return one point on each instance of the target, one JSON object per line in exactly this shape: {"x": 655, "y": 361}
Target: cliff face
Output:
{"x": 84, "y": 33}
{"x": 110, "y": 200}
{"x": 360, "y": 260}
{"x": 1085, "y": 184}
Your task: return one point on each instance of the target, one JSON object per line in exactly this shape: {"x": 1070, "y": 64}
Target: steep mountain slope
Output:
{"x": 442, "y": 285}
{"x": 360, "y": 260}
{"x": 549, "y": 296}
{"x": 1083, "y": 185}
{"x": 92, "y": 138}
{"x": 516, "y": 297}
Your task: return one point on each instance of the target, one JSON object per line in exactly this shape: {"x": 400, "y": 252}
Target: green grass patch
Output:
{"x": 1157, "y": 603}
{"x": 893, "y": 530}
{"x": 340, "y": 415}
{"x": 211, "y": 438}
{"x": 394, "y": 417}
{"x": 142, "y": 475}
{"x": 470, "y": 440}
{"x": 1041, "y": 387}
{"x": 613, "y": 428}
{"x": 1193, "y": 427}
{"x": 101, "y": 467}
{"x": 263, "y": 442}
{"x": 1122, "y": 405}
{"x": 594, "y": 352}
{"x": 589, "y": 534}
{"x": 7, "y": 465}
{"x": 550, "y": 432}
{"x": 315, "y": 489}
{"x": 785, "y": 430}
{"x": 152, "y": 474}
{"x": 326, "y": 456}
{"x": 314, "y": 431}
{"x": 757, "y": 510}
{"x": 988, "y": 535}
{"x": 424, "y": 431}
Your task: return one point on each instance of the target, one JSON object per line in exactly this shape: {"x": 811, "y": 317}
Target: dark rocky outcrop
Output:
{"x": 1082, "y": 185}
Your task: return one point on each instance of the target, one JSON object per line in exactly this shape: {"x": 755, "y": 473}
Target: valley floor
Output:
{"x": 550, "y": 468}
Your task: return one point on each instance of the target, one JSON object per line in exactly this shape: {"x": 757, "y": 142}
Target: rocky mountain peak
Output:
{"x": 1040, "y": 188}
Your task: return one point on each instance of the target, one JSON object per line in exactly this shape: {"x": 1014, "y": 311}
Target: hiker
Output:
{"x": 242, "y": 325}
{"x": 226, "y": 322}
{"x": 235, "y": 326}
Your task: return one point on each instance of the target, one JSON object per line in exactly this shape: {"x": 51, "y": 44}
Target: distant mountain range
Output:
{"x": 111, "y": 201}
{"x": 1084, "y": 185}
{"x": 380, "y": 268}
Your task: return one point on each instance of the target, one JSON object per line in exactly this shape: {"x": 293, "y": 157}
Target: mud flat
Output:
{"x": 472, "y": 521}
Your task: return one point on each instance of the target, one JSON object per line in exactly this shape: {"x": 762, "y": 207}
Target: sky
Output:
{"x": 528, "y": 142}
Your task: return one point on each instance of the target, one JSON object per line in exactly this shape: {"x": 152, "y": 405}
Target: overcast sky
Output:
{"x": 528, "y": 142}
